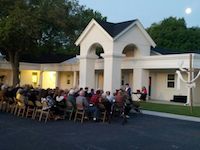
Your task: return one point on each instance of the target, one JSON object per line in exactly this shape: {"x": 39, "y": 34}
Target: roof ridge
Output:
{"x": 115, "y": 23}
{"x": 115, "y": 28}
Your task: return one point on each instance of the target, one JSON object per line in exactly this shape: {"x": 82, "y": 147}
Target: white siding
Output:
{"x": 159, "y": 90}
{"x": 65, "y": 80}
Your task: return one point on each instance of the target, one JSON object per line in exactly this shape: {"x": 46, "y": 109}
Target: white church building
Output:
{"x": 128, "y": 55}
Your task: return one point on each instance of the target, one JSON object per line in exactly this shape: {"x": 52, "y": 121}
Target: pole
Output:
{"x": 190, "y": 79}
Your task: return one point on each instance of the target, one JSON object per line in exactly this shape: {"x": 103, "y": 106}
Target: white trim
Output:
{"x": 86, "y": 57}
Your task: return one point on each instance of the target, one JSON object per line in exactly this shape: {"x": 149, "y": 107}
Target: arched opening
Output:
{"x": 96, "y": 50}
{"x": 130, "y": 50}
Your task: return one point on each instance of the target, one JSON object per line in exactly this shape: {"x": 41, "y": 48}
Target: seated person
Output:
{"x": 119, "y": 98}
{"x": 71, "y": 98}
{"x": 20, "y": 98}
{"x": 143, "y": 93}
{"x": 81, "y": 101}
{"x": 60, "y": 105}
{"x": 60, "y": 99}
{"x": 94, "y": 104}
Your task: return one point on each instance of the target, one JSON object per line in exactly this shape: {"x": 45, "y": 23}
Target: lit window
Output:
{"x": 34, "y": 77}
{"x": 171, "y": 81}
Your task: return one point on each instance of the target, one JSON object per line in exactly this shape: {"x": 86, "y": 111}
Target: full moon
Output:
{"x": 188, "y": 11}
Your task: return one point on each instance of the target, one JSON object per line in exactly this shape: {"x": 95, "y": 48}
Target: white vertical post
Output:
{"x": 86, "y": 68}
{"x": 112, "y": 72}
{"x": 190, "y": 78}
{"x": 40, "y": 79}
{"x": 75, "y": 79}
{"x": 140, "y": 78}
{"x": 57, "y": 79}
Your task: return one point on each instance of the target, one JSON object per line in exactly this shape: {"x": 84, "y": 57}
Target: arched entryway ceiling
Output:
{"x": 95, "y": 50}
{"x": 130, "y": 50}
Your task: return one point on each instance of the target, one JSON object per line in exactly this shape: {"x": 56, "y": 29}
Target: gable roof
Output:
{"x": 113, "y": 29}
{"x": 165, "y": 51}
{"x": 46, "y": 58}
{"x": 41, "y": 58}
{"x": 88, "y": 28}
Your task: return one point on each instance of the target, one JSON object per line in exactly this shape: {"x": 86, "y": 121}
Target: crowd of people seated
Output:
{"x": 93, "y": 101}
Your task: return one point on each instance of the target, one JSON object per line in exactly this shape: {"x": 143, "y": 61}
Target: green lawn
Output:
{"x": 173, "y": 109}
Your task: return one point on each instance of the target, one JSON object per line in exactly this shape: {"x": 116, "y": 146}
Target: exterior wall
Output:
{"x": 26, "y": 77}
{"x": 159, "y": 90}
{"x": 8, "y": 76}
{"x": 127, "y": 77}
{"x": 65, "y": 80}
{"x": 60, "y": 67}
{"x": 133, "y": 36}
{"x": 95, "y": 35}
{"x": 196, "y": 93}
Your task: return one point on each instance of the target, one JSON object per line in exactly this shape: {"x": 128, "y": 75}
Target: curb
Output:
{"x": 172, "y": 116}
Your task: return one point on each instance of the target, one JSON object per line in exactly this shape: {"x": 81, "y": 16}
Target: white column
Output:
{"x": 40, "y": 79}
{"x": 188, "y": 93}
{"x": 10, "y": 82}
{"x": 87, "y": 74}
{"x": 57, "y": 79}
{"x": 140, "y": 78}
{"x": 75, "y": 79}
{"x": 112, "y": 72}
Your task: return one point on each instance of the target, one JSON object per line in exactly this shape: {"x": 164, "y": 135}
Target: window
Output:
{"x": 171, "y": 81}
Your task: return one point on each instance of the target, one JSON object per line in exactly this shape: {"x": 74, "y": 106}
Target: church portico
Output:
{"x": 118, "y": 41}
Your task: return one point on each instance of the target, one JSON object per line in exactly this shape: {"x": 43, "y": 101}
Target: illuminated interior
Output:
{"x": 49, "y": 79}
{"x": 34, "y": 77}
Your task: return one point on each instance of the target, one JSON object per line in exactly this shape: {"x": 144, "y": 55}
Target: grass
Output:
{"x": 173, "y": 109}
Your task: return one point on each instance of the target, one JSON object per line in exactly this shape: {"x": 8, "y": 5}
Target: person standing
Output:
{"x": 143, "y": 93}
{"x": 128, "y": 91}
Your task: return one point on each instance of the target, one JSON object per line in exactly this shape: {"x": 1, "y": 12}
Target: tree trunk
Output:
{"x": 14, "y": 61}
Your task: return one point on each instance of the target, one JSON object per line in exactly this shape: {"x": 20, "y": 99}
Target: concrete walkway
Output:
{"x": 173, "y": 116}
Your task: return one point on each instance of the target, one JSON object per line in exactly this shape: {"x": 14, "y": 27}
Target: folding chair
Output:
{"x": 80, "y": 113}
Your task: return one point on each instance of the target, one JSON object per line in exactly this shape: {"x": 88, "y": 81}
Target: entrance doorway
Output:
{"x": 99, "y": 79}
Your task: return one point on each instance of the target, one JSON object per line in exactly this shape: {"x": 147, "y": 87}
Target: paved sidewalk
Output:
{"x": 173, "y": 116}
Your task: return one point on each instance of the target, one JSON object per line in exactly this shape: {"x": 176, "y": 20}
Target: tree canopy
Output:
{"x": 41, "y": 26}
{"x": 172, "y": 33}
